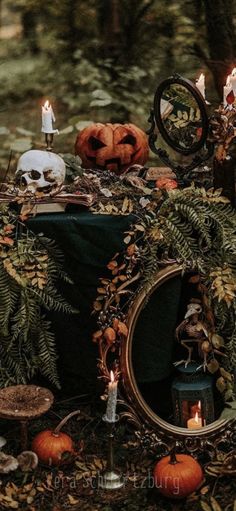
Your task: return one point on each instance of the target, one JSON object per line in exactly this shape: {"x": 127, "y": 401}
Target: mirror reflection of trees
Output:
{"x": 181, "y": 116}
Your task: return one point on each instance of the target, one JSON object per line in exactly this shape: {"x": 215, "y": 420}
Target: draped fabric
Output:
{"x": 88, "y": 242}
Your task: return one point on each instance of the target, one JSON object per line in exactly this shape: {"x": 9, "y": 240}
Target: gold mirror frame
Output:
{"x": 152, "y": 428}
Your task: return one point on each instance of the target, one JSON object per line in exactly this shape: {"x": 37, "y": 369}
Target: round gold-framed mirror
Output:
{"x": 217, "y": 430}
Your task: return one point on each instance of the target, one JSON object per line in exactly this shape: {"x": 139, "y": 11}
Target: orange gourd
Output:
{"x": 165, "y": 183}
{"x": 113, "y": 147}
{"x": 52, "y": 446}
{"x": 177, "y": 475}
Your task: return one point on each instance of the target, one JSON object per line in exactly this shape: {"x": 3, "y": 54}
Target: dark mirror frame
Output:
{"x": 176, "y": 79}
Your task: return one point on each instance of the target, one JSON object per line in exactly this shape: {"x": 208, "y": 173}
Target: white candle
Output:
{"x": 200, "y": 84}
{"x": 48, "y": 118}
{"x": 112, "y": 399}
{"x": 195, "y": 422}
{"x": 227, "y": 89}
{"x": 233, "y": 80}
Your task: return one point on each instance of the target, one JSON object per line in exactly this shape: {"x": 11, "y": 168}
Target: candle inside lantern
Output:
{"x": 196, "y": 408}
{"x": 227, "y": 89}
{"x": 200, "y": 84}
{"x": 48, "y": 118}
{"x": 195, "y": 422}
{"x": 233, "y": 80}
{"x": 112, "y": 399}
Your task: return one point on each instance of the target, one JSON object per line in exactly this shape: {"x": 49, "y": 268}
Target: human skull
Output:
{"x": 40, "y": 171}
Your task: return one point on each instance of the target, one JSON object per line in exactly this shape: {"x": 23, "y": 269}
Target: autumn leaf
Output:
{"x": 7, "y": 241}
{"x": 131, "y": 249}
{"x": 221, "y": 384}
{"x": 122, "y": 329}
{"x": 214, "y": 504}
{"x": 8, "y": 228}
{"x": 127, "y": 239}
{"x": 217, "y": 341}
{"x": 112, "y": 265}
{"x": 101, "y": 290}
{"x": 97, "y": 335}
{"x": 72, "y": 500}
{"x": 213, "y": 366}
{"x": 109, "y": 335}
{"x": 204, "y": 490}
{"x": 226, "y": 375}
{"x": 205, "y": 506}
{"x": 97, "y": 305}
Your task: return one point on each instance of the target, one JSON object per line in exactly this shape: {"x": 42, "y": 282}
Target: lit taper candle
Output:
{"x": 112, "y": 399}
{"x": 48, "y": 118}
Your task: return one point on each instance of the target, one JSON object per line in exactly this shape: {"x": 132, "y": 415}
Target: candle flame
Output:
{"x": 196, "y": 417}
{"x": 199, "y": 405}
{"x": 46, "y": 105}
{"x": 233, "y": 72}
{"x": 228, "y": 80}
{"x": 112, "y": 376}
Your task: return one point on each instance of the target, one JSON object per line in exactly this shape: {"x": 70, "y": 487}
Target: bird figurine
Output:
{"x": 197, "y": 332}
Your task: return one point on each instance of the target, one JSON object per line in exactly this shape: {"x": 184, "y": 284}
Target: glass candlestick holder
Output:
{"x": 110, "y": 479}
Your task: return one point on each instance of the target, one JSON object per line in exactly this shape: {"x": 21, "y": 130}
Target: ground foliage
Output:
{"x": 72, "y": 487}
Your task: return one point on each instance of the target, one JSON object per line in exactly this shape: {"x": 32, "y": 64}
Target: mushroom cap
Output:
{"x": 7, "y": 463}
{"x": 28, "y": 460}
{"x": 24, "y": 402}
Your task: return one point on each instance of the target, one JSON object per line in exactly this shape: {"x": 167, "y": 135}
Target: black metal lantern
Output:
{"x": 192, "y": 397}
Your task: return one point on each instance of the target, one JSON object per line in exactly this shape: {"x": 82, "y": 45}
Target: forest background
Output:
{"x": 101, "y": 60}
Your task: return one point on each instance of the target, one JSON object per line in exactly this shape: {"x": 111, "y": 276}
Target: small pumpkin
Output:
{"x": 114, "y": 147}
{"x": 177, "y": 475}
{"x": 52, "y": 446}
{"x": 165, "y": 183}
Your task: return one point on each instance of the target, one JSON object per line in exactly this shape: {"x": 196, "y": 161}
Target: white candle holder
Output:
{"x": 110, "y": 479}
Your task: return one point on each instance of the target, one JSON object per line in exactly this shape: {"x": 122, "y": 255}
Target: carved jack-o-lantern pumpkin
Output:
{"x": 112, "y": 146}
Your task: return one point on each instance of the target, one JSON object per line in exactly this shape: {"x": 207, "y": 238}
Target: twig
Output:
{"x": 7, "y": 170}
{"x": 214, "y": 487}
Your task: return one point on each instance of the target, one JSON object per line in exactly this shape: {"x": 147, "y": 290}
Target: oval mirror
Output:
{"x": 149, "y": 353}
{"x": 180, "y": 115}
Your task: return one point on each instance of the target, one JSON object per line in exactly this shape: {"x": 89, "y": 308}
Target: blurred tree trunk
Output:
{"x": 109, "y": 28}
{"x": 29, "y": 22}
{"x": 71, "y": 31}
{"x": 221, "y": 40}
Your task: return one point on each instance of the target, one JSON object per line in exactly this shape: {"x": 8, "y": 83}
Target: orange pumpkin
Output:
{"x": 52, "y": 446}
{"x": 177, "y": 475}
{"x": 114, "y": 147}
{"x": 165, "y": 183}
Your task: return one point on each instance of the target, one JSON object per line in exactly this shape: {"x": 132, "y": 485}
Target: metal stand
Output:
{"x": 49, "y": 141}
{"x": 110, "y": 479}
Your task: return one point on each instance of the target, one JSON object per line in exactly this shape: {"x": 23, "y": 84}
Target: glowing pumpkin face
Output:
{"x": 114, "y": 147}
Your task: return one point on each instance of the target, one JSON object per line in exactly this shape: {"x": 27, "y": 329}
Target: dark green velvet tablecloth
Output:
{"x": 88, "y": 242}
